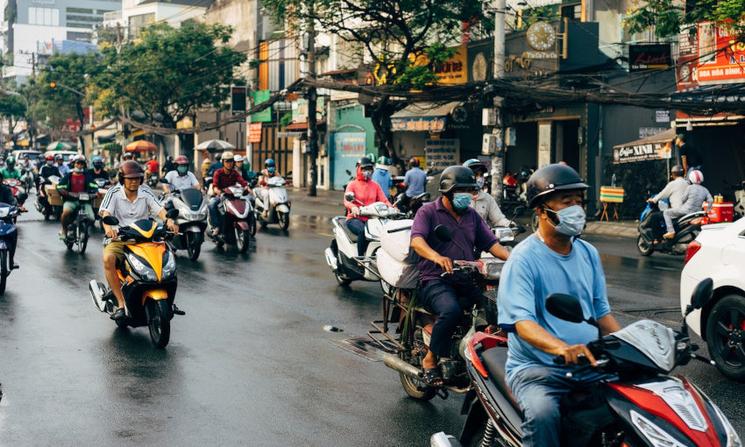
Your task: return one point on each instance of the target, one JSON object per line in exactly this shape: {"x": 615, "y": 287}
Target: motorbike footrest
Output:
{"x": 177, "y": 311}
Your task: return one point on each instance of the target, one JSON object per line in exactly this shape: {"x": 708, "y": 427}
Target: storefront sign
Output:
{"x": 645, "y": 132}
{"x": 418, "y": 124}
{"x": 452, "y": 71}
{"x": 265, "y": 116}
{"x": 662, "y": 116}
{"x": 712, "y": 55}
{"x": 649, "y": 57}
{"x": 348, "y": 148}
{"x": 254, "y": 132}
{"x": 442, "y": 153}
{"x": 641, "y": 152}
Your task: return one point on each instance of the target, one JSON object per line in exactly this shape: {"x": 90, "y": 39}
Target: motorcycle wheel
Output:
{"x": 242, "y": 239}
{"x": 193, "y": 246}
{"x": 723, "y": 336}
{"x": 645, "y": 248}
{"x": 415, "y": 388}
{"x": 284, "y": 221}
{"x": 252, "y": 224}
{"x": 4, "y": 270}
{"x": 159, "y": 322}
{"x": 341, "y": 279}
{"x": 82, "y": 239}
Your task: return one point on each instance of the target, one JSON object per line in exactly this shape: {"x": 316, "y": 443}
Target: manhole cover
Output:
{"x": 366, "y": 347}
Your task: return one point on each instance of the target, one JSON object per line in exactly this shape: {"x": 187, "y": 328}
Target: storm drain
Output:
{"x": 366, "y": 347}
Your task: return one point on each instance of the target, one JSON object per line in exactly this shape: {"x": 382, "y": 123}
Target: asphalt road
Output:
{"x": 250, "y": 363}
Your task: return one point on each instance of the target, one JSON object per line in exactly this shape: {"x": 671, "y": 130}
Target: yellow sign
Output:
{"x": 452, "y": 71}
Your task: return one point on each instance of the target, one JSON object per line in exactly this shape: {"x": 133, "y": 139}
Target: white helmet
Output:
{"x": 239, "y": 158}
{"x": 696, "y": 177}
{"x": 227, "y": 156}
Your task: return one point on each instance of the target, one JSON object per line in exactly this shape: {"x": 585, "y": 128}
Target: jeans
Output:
{"x": 215, "y": 219}
{"x": 357, "y": 227}
{"x": 670, "y": 214}
{"x": 539, "y": 391}
{"x": 447, "y": 301}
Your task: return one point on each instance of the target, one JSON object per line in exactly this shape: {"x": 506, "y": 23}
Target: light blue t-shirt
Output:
{"x": 383, "y": 178}
{"x": 530, "y": 275}
{"x": 416, "y": 181}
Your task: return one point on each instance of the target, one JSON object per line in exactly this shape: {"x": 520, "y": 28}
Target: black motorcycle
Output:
{"x": 652, "y": 227}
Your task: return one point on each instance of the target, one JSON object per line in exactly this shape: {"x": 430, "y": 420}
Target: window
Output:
{"x": 136, "y": 23}
{"x": 43, "y": 16}
{"x": 80, "y": 37}
{"x": 79, "y": 11}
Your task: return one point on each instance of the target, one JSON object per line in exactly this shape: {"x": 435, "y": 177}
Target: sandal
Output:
{"x": 432, "y": 377}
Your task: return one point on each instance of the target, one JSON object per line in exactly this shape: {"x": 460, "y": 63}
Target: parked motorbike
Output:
{"x": 8, "y": 216}
{"x": 148, "y": 277}
{"x": 342, "y": 255}
{"x": 192, "y": 221}
{"x": 78, "y": 231}
{"x": 640, "y": 404}
{"x": 42, "y": 198}
{"x": 277, "y": 208}
{"x": 650, "y": 236}
{"x": 238, "y": 219}
{"x": 740, "y": 201}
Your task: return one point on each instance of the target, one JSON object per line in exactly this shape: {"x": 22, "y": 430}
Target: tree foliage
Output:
{"x": 669, "y": 17}
{"x": 12, "y": 108}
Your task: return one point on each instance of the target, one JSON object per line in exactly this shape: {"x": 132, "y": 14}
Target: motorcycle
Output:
{"x": 650, "y": 236}
{"x": 639, "y": 404}
{"x": 152, "y": 180}
{"x": 277, "y": 210}
{"x": 342, "y": 255}
{"x": 42, "y": 198}
{"x": 28, "y": 178}
{"x": 411, "y": 206}
{"x": 238, "y": 219}
{"x": 148, "y": 277}
{"x": 78, "y": 231}
{"x": 8, "y": 216}
{"x": 192, "y": 221}
{"x": 103, "y": 187}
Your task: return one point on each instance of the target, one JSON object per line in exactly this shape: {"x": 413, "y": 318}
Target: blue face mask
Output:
{"x": 461, "y": 201}
{"x": 571, "y": 220}
{"x": 182, "y": 170}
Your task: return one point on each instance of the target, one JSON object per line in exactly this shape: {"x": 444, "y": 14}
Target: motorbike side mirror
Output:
{"x": 349, "y": 197}
{"x": 518, "y": 211}
{"x": 443, "y": 233}
{"x": 702, "y": 294}
{"x": 172, "y": 213}
{"x": 348, "y": 171}
{"x": 110, "y": 220}
{"x": 567, "y": 308}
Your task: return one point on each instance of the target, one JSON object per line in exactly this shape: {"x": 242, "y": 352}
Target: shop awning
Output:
{"x": 422, "y": 117}
{"x": 655, "y": 147}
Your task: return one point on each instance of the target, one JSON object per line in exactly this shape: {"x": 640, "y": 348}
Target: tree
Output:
{"x": 12, "y": 108}
{"x": 669, "y": 17}
{"x": 395, "y": 35}
{"x": 168, "y": 73}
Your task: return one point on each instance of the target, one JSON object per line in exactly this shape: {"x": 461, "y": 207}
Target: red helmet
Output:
{"x": 131, "y": 169}
{"x": 49, "y": 157}
{"x": 181, "y": 160}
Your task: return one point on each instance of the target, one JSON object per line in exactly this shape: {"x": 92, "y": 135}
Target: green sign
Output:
{"x": 265, "y": 116}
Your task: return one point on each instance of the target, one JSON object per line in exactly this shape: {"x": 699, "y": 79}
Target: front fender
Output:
{"x": 283, "y": 208}
{"x": 474, "y": 421}
{"x": 155, "y": 295}
{"x": 241, "y": 224}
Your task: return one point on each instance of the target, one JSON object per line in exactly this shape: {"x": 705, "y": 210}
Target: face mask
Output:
{"x": 571, "y": 220}
{"x": 461, "y": 201}
{"x": 367, "y": 174}
{"x": 50, "y": 162}
{"x": 182, "y": 170}
{"x": 78, "y": 170}
{"x": 480, "y": 182}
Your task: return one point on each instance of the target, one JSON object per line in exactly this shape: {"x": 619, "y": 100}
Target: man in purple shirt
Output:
{"x": 470, "y": 236}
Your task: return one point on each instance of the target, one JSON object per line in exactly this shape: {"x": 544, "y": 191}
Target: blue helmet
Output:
{"x": 269, "y": 163}
{"x": 97, "y": 162}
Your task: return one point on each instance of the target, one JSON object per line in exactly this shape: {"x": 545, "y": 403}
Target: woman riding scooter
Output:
{"x": 365, "y": 192}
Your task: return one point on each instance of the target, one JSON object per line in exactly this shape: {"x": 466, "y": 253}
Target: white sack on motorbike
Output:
{"x": 396, "y": 273}
{"x": 395, "y": 239}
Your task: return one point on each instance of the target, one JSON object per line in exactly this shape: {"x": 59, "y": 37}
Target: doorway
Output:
{"x": 567, "y": 143}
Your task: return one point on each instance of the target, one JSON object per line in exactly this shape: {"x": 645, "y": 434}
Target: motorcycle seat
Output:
{"x": 342, "y": 221}
{"x": 495, "y": 359}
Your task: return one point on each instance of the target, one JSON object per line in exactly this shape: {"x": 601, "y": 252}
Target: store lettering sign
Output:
{"x": 641, "y": 152}
{"x": 349, "y": 144}
{"x": 442, "y": 153}
{"x": 419, "y": 124}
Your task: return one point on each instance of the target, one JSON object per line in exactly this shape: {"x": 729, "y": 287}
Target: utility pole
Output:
{"x": 497, "y": 160}
{"x": 312, "y": 96}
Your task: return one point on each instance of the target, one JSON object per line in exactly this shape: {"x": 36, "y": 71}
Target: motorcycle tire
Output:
{"x": 82, "y": 239}
{"x": 242, "y": 239}
{"x": 252, "y": 225}
{"x": 159, "y": 322}
{"x": 193, "y": 246}
{"x": 721, "y": 331}
{"x": 341, "y": 279}
{"x": 414, "y": 388}
{"x": 284, "y": 221}
{"x": 4, "y": 270}
{"x": 644, "y": 247}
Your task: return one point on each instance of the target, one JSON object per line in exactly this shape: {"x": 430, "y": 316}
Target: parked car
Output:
{"x": 719, "y": 253}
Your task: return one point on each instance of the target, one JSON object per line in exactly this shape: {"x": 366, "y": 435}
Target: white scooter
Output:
{"x": 342, "y": 255}
{"x": 277, "y": 210}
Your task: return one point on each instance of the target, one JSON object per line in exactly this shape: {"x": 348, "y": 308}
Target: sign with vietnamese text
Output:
{"x": 254, "y": 132}
{"x": 649, "y": 57}
{"x": 348, "y": 148}
{"x": 265, "y": 116}
{"x": 418, "y": 124}
{"x": 442, "y": 153}
{"x": 641, "y": 152}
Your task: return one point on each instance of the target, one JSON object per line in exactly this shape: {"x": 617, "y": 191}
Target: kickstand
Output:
{"x": 177, "y": 311}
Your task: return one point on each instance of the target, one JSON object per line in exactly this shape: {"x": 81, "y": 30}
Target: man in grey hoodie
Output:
{"x": 693, "y": 199}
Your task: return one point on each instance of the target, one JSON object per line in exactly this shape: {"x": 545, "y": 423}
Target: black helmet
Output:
{"x": 552, "y": 178}
{"x": 457, "y": 177}
{"x": 475, "y": 165}
{"x": 365, "y": 162}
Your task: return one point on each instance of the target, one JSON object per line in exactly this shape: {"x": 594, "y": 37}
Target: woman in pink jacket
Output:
{"x": 365, "y": 192}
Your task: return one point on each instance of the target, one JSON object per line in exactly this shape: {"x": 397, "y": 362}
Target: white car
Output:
{"x": 719, "y": 253}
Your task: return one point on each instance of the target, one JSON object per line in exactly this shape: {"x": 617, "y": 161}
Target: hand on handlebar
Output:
{"x": 444, "y": 263}
{"x": 172, "y": 226}
{"x": 355, "y": 211}
{"x": 111, "y": 233}
{"x": 575, "y": 355}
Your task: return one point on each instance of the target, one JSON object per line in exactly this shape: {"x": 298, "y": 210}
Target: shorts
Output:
{"x": 71, "y": 206}
{"x": 115, "y": 248}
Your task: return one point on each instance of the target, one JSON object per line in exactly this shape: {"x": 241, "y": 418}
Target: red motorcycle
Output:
{"x": 640, "y": 404}
{"x": 238, "y": 219}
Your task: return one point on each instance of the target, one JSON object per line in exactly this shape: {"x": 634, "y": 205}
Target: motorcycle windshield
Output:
{"x": 192, "y": 198}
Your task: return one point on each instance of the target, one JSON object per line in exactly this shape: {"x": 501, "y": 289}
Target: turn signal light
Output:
{"x": 692, "y": 249}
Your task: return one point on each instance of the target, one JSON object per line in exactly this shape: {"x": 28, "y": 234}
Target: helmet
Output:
{"x": 128, "y": 156}
{"x": 49, "y": 157}
{"x": 269, "y": 163}
{"x": 385, "y": 161}
{"x": 552, "y": 178}
{"x": 79, "y": 159}
{"x": 57, "y": 157}
{"x": 414, "y": 162}
{"x": 10, "y": 160}
{"x": 696, "y": 177}
{"x": 239, "y": 158}
{"x": 181, "y": 160}
{"x": 365, "y": 162}
{"x": 227, "y": 156}
{"x": 677, "y": 169}
{"x": 97, "y": 162}
{"x": 457, "y": 177}
{"x": 475, "y": 165}
{"x": 130, "y": 169}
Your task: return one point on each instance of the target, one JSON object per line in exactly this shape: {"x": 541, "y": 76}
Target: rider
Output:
{"x": 382, "y": 177}
{"x": 243, "y": 166}
{"x": 365, "y": 193}
{"x": 673, "y": 192}
{"x": 269, "y": 171}
{"x": 483, "y": 202}
{"x": 692, "y": 200}
{"x": 61, "y": 165}
{"x": 48, "y": 169}
{"x": 224, "y": 177}
{"x": 180, "y": 178}
{"x": 415, "y": 181}
{"x": 98, "y": 170}
{"x": 552, "y": 260}
{"x": 217, "y": 165}
{"x": 169, "y": 165}
{"x": 152, "y": 166}
{"x": 69, "y": 187}
{"x": 11, "y": 170}
{"x": 6, "y": 196}
{"x": 470, "y": 235}
{"x": 129, "y": 201}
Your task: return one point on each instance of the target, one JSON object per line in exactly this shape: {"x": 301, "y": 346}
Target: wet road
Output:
{"x": 250, "y": 363}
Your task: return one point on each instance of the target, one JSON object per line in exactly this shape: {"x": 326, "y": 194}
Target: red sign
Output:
{"x": 711, "y": 56}
{"x": 254, "y": 133}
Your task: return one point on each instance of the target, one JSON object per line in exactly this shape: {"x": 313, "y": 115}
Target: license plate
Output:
{"x": 83, "y": 196}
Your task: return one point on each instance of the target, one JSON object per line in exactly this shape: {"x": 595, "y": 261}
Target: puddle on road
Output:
{"x": 366, "y": 347}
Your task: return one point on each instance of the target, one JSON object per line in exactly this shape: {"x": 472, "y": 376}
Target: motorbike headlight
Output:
{"x": 656, "y": 436}
{"x": 733, "y": 439}
{"x": 169, "y": 264}
{"x": 141, "y": 269}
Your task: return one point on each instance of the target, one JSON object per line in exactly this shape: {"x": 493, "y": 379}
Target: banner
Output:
{"x": 712, "y": 55}
{"x": 641, "y": 152}
{"x": 265, "y": 116}
{"x": 254, "y": 132}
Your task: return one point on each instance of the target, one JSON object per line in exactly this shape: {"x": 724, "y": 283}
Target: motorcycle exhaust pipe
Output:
{"x": 401, "y": 366}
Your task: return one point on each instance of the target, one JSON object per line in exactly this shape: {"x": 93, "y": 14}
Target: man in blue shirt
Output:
{"x": 552, "y": 260}
{"x": 382, "y": 177}
{"x": 415, "y": 179}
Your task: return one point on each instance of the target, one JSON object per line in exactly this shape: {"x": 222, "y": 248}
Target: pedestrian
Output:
{"x": 688, "y": 155}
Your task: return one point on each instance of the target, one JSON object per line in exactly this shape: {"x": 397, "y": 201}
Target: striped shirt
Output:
{"x": 146, "y": 205}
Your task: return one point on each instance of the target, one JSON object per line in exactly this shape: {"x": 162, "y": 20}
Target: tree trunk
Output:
{"x": 381, "y": 121}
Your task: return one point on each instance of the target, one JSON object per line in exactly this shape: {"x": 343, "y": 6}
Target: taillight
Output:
{"x": 692, "y": 249}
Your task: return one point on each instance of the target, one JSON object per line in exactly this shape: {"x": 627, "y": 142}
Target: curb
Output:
{"x": 627, "y": 230}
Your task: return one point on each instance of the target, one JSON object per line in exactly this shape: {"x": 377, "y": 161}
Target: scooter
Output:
{"x": 640, "y": 404}
{"x": 342, "y": 255}
{"x": 650, "y": 236}
{"x": 148, "y": 277}
{"x": 78, "y": 231}
{"x": 277, "y": 208}
{"x": 42, "y": 198}
{"x": 28, "y": 179}
{"x": 411, "y": 206}
{"x": 192, "y": 221}
{"x": 152, "y": 180}
{"x": 238, "y": 219}
{"x": 8, "y": 216}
